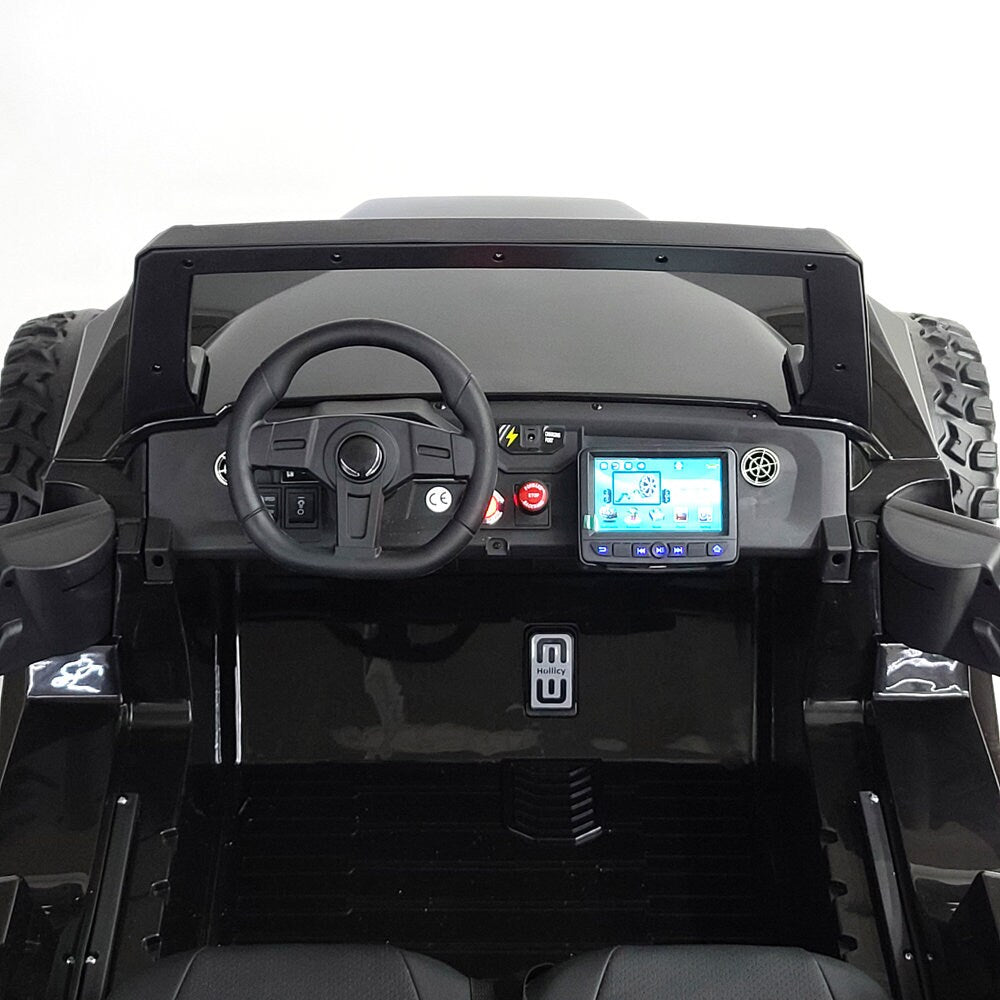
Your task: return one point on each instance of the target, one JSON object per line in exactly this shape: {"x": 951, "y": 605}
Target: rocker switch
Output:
{"x": 300, "y": 508}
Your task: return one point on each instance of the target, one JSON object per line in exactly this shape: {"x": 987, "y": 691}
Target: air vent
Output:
{"x": 760, "y": 467}
{"x": 551, "y": 801}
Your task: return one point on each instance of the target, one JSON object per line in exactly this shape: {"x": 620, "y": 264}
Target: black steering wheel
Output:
{"x": 362, "y": 458}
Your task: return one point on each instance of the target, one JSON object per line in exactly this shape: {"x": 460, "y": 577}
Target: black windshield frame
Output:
{"x": 837, "y": 376}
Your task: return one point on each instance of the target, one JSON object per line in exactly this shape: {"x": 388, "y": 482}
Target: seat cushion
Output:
{"x": 297, "y": 972}
{"x": 703, "y": 972}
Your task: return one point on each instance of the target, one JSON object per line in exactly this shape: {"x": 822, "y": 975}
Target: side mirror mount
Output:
{"x": 941, "y": 583}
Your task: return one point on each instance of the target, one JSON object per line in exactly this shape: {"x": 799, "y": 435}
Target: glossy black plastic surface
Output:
{"x": 434, "y": 671}
{"x": 941, "y": 575}
{"x": 56, "y": 583}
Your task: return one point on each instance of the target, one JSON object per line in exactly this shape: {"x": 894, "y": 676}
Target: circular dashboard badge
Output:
{"x": 438, "y": 499}
{"x": 220, "y": 469}
{"x": 760, "y": 467}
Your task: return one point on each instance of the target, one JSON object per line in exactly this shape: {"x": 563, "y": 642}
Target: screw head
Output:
{"x": 123, "y": 800}
{"x": 874, "y": 799}
{"x": 91, "y": 960}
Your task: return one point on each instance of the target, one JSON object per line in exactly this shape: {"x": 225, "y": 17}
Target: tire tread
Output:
{"x": 962, "y": 412}
{"x": 34, "y": 387}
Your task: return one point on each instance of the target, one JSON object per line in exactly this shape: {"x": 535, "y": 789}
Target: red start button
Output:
{"x": 533, "y": 497}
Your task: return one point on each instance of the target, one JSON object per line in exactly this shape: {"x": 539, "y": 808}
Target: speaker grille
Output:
{"x": 760, "y": 467}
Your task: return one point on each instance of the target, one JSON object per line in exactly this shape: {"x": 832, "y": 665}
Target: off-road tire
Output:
{"x": 958, "y": 397}
{"x": 34, "y": 388}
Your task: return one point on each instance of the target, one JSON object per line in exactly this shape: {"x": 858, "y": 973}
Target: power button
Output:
{"x": 532, "y": 497}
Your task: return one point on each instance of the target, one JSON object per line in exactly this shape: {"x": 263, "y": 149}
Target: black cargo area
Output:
{"x": 439, "y": 858}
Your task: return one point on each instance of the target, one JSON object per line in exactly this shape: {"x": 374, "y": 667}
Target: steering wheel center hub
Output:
{"x": 360, "y": 457}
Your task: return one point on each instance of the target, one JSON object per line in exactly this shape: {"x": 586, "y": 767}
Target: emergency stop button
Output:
{"x": 533, "y": 497}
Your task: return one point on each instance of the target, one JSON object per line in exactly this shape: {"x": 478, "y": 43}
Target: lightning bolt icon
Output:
{"x": 511, "y": 436}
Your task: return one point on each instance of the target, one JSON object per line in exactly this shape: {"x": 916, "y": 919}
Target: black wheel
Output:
{"x": 34, "y": 388}
{"x": 958, "y": 396}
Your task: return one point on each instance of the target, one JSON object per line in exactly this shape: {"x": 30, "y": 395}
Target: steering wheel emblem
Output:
{"x": 360, "y": 457}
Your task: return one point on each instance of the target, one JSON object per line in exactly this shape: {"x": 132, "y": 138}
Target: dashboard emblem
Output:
{"x": 220, "y": 469}
{"x": 760, "y": 467}
{"x": 551, "y": 673}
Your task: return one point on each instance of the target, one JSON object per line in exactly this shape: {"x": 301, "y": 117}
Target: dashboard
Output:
{"x": 614, "y": 486}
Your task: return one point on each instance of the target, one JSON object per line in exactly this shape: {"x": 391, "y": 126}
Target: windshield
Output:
{"x": 522, "y": 332}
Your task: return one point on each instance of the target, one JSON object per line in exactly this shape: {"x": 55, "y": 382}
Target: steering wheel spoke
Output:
{"x": 439, "y": 454}
{"x": 289, "y": 444}
{"x": 359, "y": 518}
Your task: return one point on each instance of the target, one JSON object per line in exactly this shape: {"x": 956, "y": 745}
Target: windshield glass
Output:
{"x": 521, "y": 331}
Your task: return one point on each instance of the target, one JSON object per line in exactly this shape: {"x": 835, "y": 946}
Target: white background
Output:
{"x": 878, "y": 121}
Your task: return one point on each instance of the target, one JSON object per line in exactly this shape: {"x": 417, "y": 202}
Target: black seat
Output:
{"x": 299, "y": 971}
{"x": 703, "y": 972}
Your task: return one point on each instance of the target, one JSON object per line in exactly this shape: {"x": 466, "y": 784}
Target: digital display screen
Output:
{"x": 645, "y": 494}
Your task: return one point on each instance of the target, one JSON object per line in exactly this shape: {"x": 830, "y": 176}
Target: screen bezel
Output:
{"x": 588, "y": 499}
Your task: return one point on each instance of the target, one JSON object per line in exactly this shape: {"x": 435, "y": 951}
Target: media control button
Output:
{"x": 658, "y": 550}
{"x": 600, "y": 548}
{"x": 640, "y": 550}
{"x": 678, "y": 550}
{"x": 300, "y": 508}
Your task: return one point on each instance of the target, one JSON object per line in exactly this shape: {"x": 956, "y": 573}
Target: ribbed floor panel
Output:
{"x": 418, "y": 854}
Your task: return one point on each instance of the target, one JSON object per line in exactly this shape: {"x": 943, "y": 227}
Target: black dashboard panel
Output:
{"x": 541, "y": 444}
